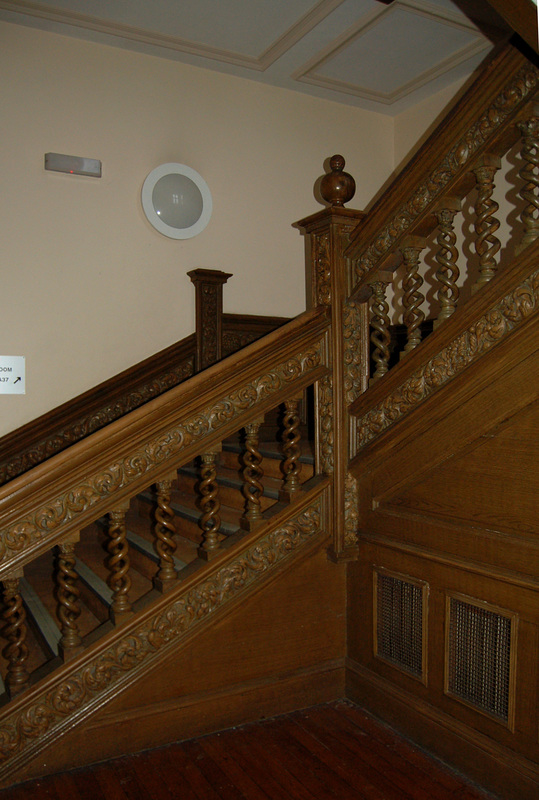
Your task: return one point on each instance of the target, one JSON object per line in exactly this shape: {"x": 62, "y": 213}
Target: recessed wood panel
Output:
{"x": 280, "y": 649}
{"x": 494, "y": 484}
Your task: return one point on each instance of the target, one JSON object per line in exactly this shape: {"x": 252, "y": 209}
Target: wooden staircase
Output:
{"x": 193, "y": 594}
{"x": 174, "y": 510}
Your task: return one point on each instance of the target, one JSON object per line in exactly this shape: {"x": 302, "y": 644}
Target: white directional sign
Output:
{"x": 12, "y": 375}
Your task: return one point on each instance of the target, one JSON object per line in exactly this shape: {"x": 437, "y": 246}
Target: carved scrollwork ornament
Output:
{"x": 322, "y": 274}
{"x": 486, "y": 333}
{"x": 353, "y": 338}
{"x": 99, "y": 488}
{"x": 210, "y": 304}
{"x": 351, "y": 513}
{"x": 89, "y": 685}
{"x": 325, "y": 405}
{"x": 521, "y": 86}
{"x": 232, "y": 342}
{"x": 94, "y": 422}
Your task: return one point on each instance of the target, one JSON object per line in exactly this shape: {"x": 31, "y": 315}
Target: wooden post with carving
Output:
{"x": 329, "y": 231}
{"x": 209, "y": 315}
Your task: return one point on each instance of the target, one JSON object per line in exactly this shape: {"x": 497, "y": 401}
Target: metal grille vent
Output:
{"x": 479, "y": 657}
{"x": 399, "y": 637}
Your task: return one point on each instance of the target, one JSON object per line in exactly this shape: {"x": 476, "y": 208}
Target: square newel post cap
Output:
{"x": 215, "y": 276}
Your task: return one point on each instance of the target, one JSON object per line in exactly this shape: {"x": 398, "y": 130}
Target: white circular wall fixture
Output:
{"x": 176, "y": 201}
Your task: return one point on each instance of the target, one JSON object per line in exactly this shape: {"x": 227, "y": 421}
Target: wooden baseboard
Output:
{"x": 278, "y": 649}
{"x": 493, "y": 766}
{"x": 114, "y": 735}
{"x": 204, "y": 713}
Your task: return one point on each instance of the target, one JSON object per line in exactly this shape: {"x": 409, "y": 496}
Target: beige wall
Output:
{"x": 89, "y": 287}
{"x": 413, "y": 125}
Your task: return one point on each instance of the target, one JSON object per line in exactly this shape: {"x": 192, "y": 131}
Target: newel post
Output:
{"x": 328, "y": 233}
{"x": 209, "y": 315}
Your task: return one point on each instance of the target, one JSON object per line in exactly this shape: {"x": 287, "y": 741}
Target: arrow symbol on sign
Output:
{"x": 16, "y": 380}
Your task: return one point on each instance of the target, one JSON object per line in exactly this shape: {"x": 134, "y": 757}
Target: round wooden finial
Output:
{"x": 337, "y": 187}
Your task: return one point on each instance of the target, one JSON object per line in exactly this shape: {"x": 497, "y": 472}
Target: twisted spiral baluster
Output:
{"x": 67, "y": 594}
{"x": 530, "y": 177}
{"x": 14, "y": 631}
{"x": 165, "y": 531}
{"x": 252, "y": 476}
{"x": 210, "y": 521}
{"x": 118, "y": 564}
{"x": 413, "y": 298}
{"x": 487, "y": 245}
{"x": 380, "y": 337}
{"x": 447, "y": 255}
{"x": 291, "y": 466}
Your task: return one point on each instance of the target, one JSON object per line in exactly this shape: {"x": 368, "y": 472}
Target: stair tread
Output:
{"x": 229, "y": 516}
{"x": 94, "y": 582}
{"x": 43, "y": 620}
{"x": 186, "y": 549}
{"x": 271, "y": 449}
{"x": 232, "y": 478}
{"x": 146, "y": 548}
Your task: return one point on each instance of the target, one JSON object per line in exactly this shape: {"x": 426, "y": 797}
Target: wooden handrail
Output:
{"x": 72, "y": 421}
{"x": 483, "y": 121}
{"x": 52, "y": 432}
{"x": 521, "y": 15}
{"x": 40, "y": 508}
{"x": 486, "y": 321}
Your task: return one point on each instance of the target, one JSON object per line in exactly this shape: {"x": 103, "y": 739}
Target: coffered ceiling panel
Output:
{"x": 438, "y": 44}
{"x": 379, "y": 55}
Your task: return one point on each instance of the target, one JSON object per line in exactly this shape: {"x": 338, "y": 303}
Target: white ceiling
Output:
{"x": 383, "y": 56}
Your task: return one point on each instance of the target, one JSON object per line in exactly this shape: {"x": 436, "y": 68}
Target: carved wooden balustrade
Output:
{"x": 433, "y": 239}
{"x": 217, "y": 334}
{"x": 355, "y": 257}
{"x": 87, "y": 509}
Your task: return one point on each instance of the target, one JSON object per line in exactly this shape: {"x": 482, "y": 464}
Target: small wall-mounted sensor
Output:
{"x": 74, "y": 165}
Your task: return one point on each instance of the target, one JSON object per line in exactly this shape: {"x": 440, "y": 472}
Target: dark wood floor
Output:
{"x": 330, "y": 751}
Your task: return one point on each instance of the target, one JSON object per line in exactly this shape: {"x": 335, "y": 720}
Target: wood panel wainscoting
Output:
{"x": 443, "y": 611}
{"x": 275, "y": 650}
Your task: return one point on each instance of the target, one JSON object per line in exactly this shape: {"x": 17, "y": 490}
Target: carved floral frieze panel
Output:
{"x": 33, "y": 724}
{"x": 86, "y": 425}
{"x": 466, "y": 348}
{"x": 521, "y": 88}
{"x": 98, "y": 490}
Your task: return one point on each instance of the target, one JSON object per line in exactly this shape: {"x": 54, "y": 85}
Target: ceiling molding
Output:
{"x": 297, "y": 31}
{"x": 307, "y": 53}
{"x": 123, "y": 31}
{"x": 308, "y": 74}
{"x": 153, "y": 38}
{"x": 405, "y": 89}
